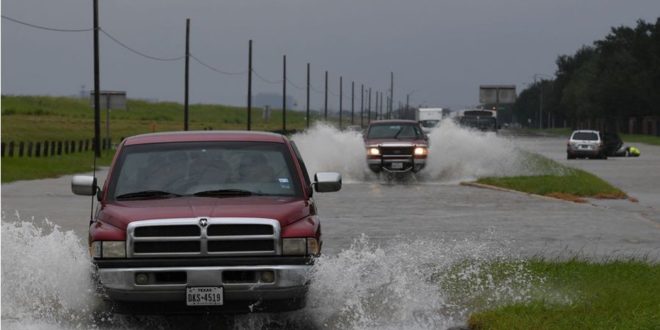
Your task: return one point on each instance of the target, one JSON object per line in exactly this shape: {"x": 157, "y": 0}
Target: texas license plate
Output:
{"x": 204, "y": 296}
{"x": 397, "y": 166}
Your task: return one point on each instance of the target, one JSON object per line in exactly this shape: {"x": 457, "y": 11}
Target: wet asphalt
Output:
{"x": 522, "y": 224}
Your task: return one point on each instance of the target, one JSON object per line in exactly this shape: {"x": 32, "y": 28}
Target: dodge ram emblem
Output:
{"x": 203, "y": 222}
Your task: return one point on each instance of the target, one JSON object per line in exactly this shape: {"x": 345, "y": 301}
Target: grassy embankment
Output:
{"x": 42, "y": 118}
{"x": 581, "y": 295}
{"x": 563, "y": 182}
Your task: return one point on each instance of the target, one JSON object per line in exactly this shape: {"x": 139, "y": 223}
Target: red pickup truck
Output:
{"x": 206, "y": 221}
{"x": 396, "y": 146}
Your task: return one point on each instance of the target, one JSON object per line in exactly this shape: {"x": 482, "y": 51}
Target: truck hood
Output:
{"x": 283, "y": 209}
{"x": 395, "y": 142}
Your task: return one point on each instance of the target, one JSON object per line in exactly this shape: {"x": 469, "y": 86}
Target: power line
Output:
{"x": 216, "y": 69}
{"x": 293, "y": 84}
{"x": 138, "y": 52}
{"x": 264, "y": 79}
{"x": 45, "y": 27}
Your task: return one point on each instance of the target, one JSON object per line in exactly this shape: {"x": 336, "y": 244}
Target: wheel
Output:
{"x": 569, "y": 156}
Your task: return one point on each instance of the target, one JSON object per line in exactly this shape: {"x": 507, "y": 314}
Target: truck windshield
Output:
{"x": 395, "y": 131}
{"x": 210, "y": 169}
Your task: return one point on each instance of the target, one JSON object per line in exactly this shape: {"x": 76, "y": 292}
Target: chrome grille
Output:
{"x": 203, "y": 237}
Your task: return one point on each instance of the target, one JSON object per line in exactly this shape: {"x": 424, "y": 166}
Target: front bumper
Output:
{"x": 388, "y": 164}
{"x": 579, "y": 152}
{"x": 240, "y": 278}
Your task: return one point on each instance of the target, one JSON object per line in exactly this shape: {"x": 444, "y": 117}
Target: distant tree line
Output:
{"x": 609, "y": 85}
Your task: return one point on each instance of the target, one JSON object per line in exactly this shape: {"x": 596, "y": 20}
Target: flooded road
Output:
{"x": 395, "y": 253}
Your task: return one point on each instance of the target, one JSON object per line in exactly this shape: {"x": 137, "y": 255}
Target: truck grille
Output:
{"x": 397, "y": 151}
{"x": 203, "y": 237}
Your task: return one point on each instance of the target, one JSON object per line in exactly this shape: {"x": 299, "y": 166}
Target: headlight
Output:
{"x": 421, "y": 151}
{"x": 294, "y": 246}
{"x": 373, "y": 152}
{"x": 108, "y": 249}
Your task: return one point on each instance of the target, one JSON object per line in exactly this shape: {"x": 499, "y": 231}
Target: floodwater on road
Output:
{"x": 396, "y": 255}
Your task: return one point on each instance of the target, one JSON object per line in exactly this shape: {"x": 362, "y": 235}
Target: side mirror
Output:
{"x": 327, "y": 182}
{"x": 83, "y": 185}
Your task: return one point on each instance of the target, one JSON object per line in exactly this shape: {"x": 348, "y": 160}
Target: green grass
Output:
{"x": 45, "y": 118}
{"x": 24, "y": 168}
{"x": 561, "y": 181}
{"x": 636, "y": 138}
{"x": 39, "y": 118}
{"x": 612, "y": 295}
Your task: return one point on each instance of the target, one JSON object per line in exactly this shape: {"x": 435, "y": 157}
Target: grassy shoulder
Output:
{"x": 562, "y": 182}
{"x": 46, "y": 118}
{"x": 583, "y": 295}
{"x": 26, "y": 168}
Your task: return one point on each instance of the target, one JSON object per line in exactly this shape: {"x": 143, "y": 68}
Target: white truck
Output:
{"x": 428, "y": 118}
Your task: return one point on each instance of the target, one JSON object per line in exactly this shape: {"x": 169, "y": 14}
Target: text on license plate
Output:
{"x": 204, "y": 296}
{"x": 397, "y": 166}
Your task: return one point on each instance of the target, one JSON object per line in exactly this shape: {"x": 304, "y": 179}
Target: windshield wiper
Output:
{"x": 396, "y": 136}
{"x": 224, "y": 193}
{"x": 147, "y": 194}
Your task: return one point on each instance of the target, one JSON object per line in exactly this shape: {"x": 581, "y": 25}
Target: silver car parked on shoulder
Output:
{"x": 586, "y": 144}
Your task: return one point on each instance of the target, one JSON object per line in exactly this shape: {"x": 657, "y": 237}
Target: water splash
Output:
{"x": 325, "y": 148}
{"x": 408, "y": 284}
{"x": 455, "y": 154}
{"x": 45, "y": 276}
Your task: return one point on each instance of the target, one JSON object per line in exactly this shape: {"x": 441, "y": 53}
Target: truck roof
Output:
{"x": 195, "y": 136}
{"x": 393, "y": 121}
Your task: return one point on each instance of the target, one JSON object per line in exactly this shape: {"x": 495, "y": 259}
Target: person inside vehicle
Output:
{"x": 254, "y": 168}
{"x": 166, "y": 170}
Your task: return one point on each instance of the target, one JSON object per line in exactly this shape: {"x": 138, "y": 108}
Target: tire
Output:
{"x": 568, "y": 156}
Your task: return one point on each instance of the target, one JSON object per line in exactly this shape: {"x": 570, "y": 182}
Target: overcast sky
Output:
{"x": 440, "y": 51}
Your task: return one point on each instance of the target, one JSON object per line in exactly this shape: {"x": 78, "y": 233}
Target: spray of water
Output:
{"x": 407, "y": 284}
{"x": 325, "y": 148}
{"x": 429, "y": 283}
{"x": 455, "y": 154}
{"x": 45, "y": 275}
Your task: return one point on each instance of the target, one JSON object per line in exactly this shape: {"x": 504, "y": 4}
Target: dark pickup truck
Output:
{"x": 396, "y": 146}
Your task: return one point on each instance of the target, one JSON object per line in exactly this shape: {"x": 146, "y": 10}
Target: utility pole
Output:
{"x": 369, "y": 107}
{"x": 389, "y": 111}
{"x": 307, "y": 105}
{"x": 325, "y": 106}
{"x": 97, "y": 85}
{"x": 352, "y": 102}
{"x": 284, "y": 95}
{"x": 381, "y": 105}
{"x": 377, "y": 106}
{"x": 341, "y": 100}
{"x": 361, "y": 105}
{"x": 249, "y": 95}
{"x": 187, "y": 81}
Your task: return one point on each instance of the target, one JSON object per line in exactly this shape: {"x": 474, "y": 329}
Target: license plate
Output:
{"x": 204, "y": 296}
{"x": 397, "y": 166}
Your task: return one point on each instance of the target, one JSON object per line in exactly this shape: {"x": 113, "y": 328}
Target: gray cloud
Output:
{"x": 441, "y": 50}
